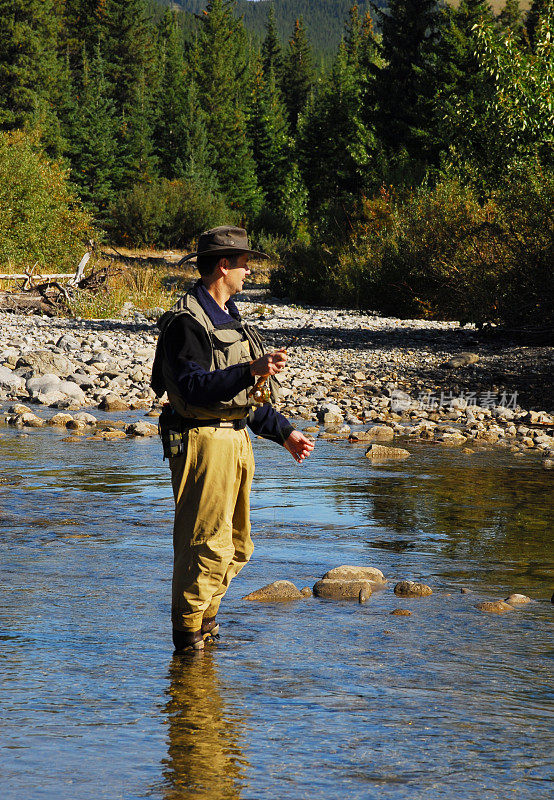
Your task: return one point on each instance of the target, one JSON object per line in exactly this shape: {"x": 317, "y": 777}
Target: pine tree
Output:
{"x": 219, "y": 63}
{"x": 406, "y": 85}
{"x": 94, "y": 153}
{"x": 128, "y": 49}
{"x": 170, "y": 132}
{"x": 298, "y": 74}
{"x": 464, "y": 88}
{"x": 198, "y": 158}
{"x": 335, "y": 147}
{"x": 272, "y": 54}
{"x": 30, "y": 68}
{"x": 269, "y": 137}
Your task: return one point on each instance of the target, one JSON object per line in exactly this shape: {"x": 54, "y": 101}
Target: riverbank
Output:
{"x": 431, "y": 380}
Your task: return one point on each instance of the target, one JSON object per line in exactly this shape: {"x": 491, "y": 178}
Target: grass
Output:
{"x": 146, "y": 278}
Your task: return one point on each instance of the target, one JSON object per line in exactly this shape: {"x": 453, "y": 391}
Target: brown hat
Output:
{"x": 224, "y": 241}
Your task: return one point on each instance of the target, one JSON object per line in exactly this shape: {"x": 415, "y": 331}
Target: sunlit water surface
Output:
{"x": 313, "y": 699}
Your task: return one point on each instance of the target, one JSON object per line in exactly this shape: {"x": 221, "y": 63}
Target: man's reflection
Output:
{"x": 204, "y": 755}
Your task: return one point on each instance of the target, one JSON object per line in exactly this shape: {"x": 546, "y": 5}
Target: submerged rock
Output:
{"x": 378, "y": 452}
{"x": 495, "y": 607}
{"x": 275, "y": 592}
{"x": 412, "y": 589}
{"x": 401, "y": 612}
{"x": 306, "y": 592}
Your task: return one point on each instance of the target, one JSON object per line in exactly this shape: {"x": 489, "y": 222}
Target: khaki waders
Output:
{"x": 211, "y": 535}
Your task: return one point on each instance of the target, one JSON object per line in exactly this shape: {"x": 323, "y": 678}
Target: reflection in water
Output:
{"x": 465, "y": 508}
{"x": 205, "y": 759}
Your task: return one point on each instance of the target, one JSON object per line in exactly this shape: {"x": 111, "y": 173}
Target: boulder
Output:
{"x": 451, "y": 439}
{"x": 495, "y": 607}
{"x": 88, "y": 419}
{"x": 401, "y": 612}
{"x": 73, "y": 391}
{"x": 277, "y": 591}
{"x": 329, "y": 413}
{"x": 378, "y": 452}
{"x": 111, "y": 402}
{"x": 412, "y": 589}
{"x": 343, "y": 589}
{"x": 45, "y": 362}
{"x": 350, "y": 573}
{"x": 462, "y": 360}
{"x": 9, "y": 381}
{"x": 400, "y": 401}
{"x": 378, "y": 433}
{"x": 518, "y": 599}
{"x": 31, "y": 420}
{"x": 69, "y": 342}
{"x": 306, "y": 592}
{"x": 43, "y": 384}
{"x": 141, "y": 429}
{"x": 60, "y": 420}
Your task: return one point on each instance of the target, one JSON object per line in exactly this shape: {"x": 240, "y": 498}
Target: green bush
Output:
{"x": 41, "y": 221}
{"x": 166, "y": 213}
{"x": 439, "y": 252}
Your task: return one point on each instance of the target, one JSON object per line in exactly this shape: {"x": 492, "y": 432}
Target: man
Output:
{"x": 208, "y": 361}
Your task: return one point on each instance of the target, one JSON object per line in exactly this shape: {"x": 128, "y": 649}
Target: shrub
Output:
{"x": 41, "y": 221}
{"x": 439, "y": 252}
{"x": 167, "y": 213}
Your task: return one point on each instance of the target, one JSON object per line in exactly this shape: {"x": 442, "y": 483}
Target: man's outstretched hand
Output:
{"x": 299, "y": 446}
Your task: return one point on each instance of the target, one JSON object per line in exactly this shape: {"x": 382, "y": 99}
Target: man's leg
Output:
{"x": 206, "y": 484}
{"x": 242, "y": 540}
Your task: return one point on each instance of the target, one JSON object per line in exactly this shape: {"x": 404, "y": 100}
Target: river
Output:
{"x": 310, "y": 699}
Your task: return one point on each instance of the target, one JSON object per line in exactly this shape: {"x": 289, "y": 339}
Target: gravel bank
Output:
{"x": 433, "y": 380}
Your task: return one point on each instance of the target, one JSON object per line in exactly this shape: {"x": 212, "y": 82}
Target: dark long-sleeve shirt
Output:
{"x": 188, "y": 350}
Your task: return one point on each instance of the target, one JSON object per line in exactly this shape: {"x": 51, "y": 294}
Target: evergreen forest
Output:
{"x": 411, "y": 172}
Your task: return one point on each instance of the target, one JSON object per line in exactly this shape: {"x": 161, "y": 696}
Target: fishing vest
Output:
{"x": 228, "y": 347}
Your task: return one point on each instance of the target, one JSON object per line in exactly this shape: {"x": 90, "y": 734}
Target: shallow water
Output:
{"x": 307, "y": 700}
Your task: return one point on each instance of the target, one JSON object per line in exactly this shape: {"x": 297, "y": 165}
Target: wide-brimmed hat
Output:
{"x": 223, "y": 241}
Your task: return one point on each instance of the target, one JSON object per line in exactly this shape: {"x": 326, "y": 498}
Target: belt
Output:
{"x": 237, "y": 424}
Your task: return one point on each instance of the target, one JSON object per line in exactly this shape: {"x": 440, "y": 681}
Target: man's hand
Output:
{"x": 269, "y": 364}
{"x": 299, "y": 446}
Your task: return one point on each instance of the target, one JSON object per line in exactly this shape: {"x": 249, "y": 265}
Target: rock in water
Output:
{"x": 517, "y": 599}
{"x": 378, "y": 433}
{"x": 350, "y": 573}
{"x": 111, "y": 402}
{"x": 275, "y": 592}
{"x": 412, "y": 589}
{"x": 401, "y": 612}
{"x": 342, "y": 589}
{"x": 495, "y": 607}
{"x": 378, "y": 452}
{"x": 141, "y": 429}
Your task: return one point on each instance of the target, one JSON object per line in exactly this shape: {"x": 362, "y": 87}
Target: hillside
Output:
{"x": 324, "y": 19}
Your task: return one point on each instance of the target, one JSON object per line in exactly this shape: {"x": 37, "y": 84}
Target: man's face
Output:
{"x": 237, "y": 271}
